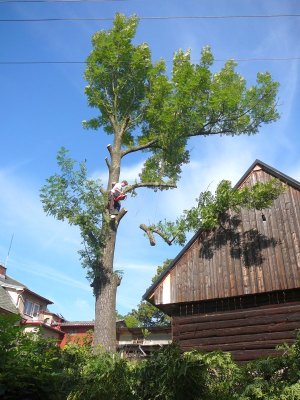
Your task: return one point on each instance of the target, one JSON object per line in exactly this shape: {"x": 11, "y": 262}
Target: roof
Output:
{"x": 6, "y": 302}
{"x": 38, "y": 295}
{"x": 77, "y": 323}
{"x": 10, "y": 281}
{"x": 272, "y": 171}
{"x": 7, "y": 280}
{"x": 84, "y": 323}
{"x": 43, "y": 325}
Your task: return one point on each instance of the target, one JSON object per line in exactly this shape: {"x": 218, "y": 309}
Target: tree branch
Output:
{"x": 206, "y": 133}
{"x": 235, "y": 117}
{"x": 138, "y": 148}
{"x": 149, "y": 230}
{"x": 107, "y": 163}
{"x": 92, "y": 238}
{"x": 157, "y": 185}
{"x": 149, "y": 234}
{"x": 102, "y": 191}
{"x": 125, "y": 124}
{"x": 163, "y": 236}
{"x": 120, "y": 215}
{"x": 109, "y": 148}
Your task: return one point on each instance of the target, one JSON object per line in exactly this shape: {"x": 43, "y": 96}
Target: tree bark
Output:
{"x": 105, "y": 289}
{"x": 105, "y": 318}
{"x": 106, "y": 280}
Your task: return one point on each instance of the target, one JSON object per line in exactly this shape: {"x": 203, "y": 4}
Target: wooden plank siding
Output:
{"x": 237, "y": 288}
{"x": 247, "y": 257}
{"x": 247, "y": 334}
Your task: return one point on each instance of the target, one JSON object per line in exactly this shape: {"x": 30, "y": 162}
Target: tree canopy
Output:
{"x": 157, "y": 112}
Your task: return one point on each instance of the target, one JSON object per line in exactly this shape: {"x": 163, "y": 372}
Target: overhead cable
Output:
{"x": 167, "y": 61}
{"x": 58, "y": 1}
{"x": 154, "y": 18}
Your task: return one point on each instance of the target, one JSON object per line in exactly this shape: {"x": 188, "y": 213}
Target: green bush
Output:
{"x": 171, "y": 375}
{"x": 105, "y": 376}
{"x": 273, "y": 378}
{"x": 34, "y": 368}
{"x": 31, "y": 366}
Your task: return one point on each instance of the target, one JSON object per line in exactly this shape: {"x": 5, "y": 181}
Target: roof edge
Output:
{"x": 272, "y": 171}
{"x": 37, "y": 295}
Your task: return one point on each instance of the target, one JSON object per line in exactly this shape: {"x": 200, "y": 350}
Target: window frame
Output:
{"x": 31, "y": 308}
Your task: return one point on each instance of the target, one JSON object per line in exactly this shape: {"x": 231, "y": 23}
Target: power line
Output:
{"x": 58, "y": 1}
{"x": 155, "y": 18}
{"x": 40, "y": 62}
{"x": 167, "y": 61}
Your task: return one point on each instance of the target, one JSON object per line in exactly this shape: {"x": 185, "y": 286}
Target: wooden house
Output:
{"x": 237, "y": 288}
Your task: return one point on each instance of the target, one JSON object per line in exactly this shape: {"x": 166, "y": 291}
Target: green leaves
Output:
{"x": 117, "y": 74}
{"x": 70, "y": 195}
{"x": 211, "y": 208}
{"x": 36, "y": 368}
{"x": 146, "y": 315}
{"x": 140, "y": 103}
{"x": 31, "y": 366}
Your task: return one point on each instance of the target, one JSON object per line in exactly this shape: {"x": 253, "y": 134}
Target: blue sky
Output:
{"x": 42, "y": 107}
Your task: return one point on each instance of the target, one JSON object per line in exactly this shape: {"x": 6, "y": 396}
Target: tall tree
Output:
{"x": 144, "y": 109}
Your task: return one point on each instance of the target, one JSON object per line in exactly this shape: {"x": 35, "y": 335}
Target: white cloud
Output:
{"x": 223, "y": 158}
{"x": 21, "y": 213}
{"x": 132, "y": 265}
{"x": 49, "y": 273}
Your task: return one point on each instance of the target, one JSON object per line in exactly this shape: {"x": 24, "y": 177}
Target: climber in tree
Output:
{"x": 115, "y": 196}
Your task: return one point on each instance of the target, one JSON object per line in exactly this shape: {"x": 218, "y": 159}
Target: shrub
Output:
{"x": 30, "y": 365}
{"x": 34, "y": 368}
{"x": 171, "y": 375}
{"x": 105, "y": 376}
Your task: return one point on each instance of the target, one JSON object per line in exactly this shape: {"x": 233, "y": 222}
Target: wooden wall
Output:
{"x": 254, "y": 252}
{"x": 247, "y": 334}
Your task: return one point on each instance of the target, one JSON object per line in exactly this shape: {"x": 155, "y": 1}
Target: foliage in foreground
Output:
{"x": 35, "y": 368}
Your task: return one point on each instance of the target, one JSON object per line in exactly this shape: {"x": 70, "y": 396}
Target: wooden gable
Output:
{"x": 258, "y": 252}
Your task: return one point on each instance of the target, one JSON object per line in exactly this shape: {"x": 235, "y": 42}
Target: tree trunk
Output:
{"x": 105, "y": 318}
{"x": 106, "y": 280}
{"x": 105, "y": 289}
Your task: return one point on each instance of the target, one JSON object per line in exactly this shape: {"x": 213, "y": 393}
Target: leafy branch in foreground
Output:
{"x": 211, "y": 209}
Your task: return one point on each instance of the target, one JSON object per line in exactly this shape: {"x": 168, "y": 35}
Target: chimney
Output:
{"x": 2, "y": 271}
